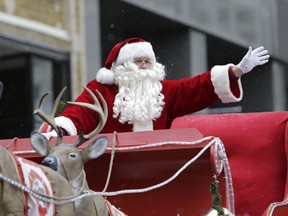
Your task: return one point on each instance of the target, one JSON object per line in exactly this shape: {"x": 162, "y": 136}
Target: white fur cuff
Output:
{"x": 66, "y": 124}
{"x": 221, "y": 82}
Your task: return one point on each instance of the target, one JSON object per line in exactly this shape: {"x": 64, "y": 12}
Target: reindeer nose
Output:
{"x": 50, "y": 162}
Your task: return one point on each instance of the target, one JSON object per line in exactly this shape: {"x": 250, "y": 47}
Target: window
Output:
{"x": 26, "y": 77}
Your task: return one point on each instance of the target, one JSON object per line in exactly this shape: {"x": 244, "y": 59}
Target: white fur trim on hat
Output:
{"x": 105, "y": 76}
{"x": 66, "y": 124}
{"x": 134, "y": 50}
{"x": 140, "y": 126}
{"x": 221, "y": 82}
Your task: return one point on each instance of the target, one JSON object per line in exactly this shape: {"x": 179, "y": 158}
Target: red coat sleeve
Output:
{"x": 189, "y": 95}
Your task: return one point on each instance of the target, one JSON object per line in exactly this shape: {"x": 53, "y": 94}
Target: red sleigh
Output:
{"x": 255, "y": 144}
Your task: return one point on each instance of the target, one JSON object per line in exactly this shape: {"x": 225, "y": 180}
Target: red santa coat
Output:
{"x": 182, "y": 97}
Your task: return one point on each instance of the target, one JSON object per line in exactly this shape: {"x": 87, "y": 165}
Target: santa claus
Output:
{"x": 139, "y": 97}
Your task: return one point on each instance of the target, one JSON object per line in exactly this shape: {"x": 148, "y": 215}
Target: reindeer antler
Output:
{"x": 50, "y": 119}
{"x": 103, "y": 113}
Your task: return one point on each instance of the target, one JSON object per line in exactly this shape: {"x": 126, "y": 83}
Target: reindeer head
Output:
{"x": 67, "y": 159}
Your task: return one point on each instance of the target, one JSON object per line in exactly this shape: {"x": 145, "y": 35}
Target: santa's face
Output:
{"x": 139, "y": 98}
{"x": 143, "y": 63}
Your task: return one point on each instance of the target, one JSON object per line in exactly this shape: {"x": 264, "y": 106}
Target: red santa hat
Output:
{"x": 126, "y": 50}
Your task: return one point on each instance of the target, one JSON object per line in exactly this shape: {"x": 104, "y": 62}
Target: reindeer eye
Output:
{"x": 72, "y": 155}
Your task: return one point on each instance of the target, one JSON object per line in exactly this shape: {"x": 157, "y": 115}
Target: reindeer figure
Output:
{"x": 68, "y": 160}
{"x": 14, "y": 201}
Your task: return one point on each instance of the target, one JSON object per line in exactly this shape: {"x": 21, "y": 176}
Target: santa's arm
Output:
{"x": 232, "y": 91}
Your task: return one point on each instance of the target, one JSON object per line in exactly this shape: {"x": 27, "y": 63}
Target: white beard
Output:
{"x": 139, "y": 99}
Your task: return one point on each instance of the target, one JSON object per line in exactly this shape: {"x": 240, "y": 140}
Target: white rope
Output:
{"x": 228, "y": 177}
{"x": 275, "y": 205}
{"x": 153, "y": 145}
{"x": 111, "y": 162}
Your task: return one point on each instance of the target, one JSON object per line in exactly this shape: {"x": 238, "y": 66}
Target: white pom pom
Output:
{"x": 105, "y": 76}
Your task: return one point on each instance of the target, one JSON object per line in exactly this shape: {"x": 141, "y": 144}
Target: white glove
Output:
{"x": 50, "y": 134}
{"x": 253, "y": 58}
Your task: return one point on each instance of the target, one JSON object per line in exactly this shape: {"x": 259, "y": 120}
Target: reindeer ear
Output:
{"x": 95, "y": 149}
{"x": 39, "y": 143}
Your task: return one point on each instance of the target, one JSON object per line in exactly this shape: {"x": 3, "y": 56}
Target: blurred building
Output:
{"x": 48, "y": 44}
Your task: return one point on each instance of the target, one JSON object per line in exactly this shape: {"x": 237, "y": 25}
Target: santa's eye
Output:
{"x": 140, "y": 61}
